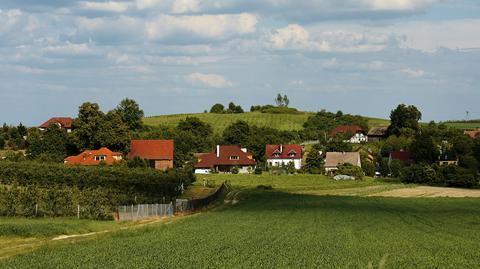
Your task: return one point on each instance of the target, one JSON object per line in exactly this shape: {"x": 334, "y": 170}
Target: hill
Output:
{"x": 219, "y": 122}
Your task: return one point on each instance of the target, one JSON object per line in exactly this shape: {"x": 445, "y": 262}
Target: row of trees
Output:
{"x": 232, "y": 109}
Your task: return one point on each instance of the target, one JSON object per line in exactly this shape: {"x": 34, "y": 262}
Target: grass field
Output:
{"x": 221, "y": 121}
{"x": 283, "y": 229}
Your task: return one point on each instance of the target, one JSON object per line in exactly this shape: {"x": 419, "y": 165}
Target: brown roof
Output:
{"x": 346, "y": 129}
{"x": 283, "y": 151}
{"x": 151, "y": 149}
{"x": 473, "y": 133}
{"x": 64, "y": 122}
{"x": 333, "y": 159}
{"x": 210, "y": 160}
{"x": 88, "y": 157}
{"x": 378, "y": 131}
{"x": 403, "y": 156}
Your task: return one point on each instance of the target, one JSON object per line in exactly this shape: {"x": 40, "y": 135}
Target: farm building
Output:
{"x": 356, "y": 133}
{"x": 94, "y": 157}
{"x": 377, "y": 134}
{"x": 224, "y": 159}
{"x": 278, "y": 155}
{"x": 159, "y": 153}
{"x": 64, "y": 123}
{"x": 334, "y": 159}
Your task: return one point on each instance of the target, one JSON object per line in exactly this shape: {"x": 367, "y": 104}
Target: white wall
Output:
{"x": 202, "y": 171}
{"x": 278, "y": 162}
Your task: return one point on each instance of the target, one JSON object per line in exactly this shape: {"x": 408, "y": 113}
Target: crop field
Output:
{"x": 221, "y": 121}
{"x": 281, "y": 229}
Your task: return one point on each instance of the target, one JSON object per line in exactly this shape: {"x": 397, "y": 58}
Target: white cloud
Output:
{"x": 110, "y": 6}
{"x": 71, "y": 49}
{"x": 413, "y": 73}
{"x": 184, "y": 6}
{"x": 210, "y": 80}
{"x": 206, "y": 26}
{"x": 400, "y": 4}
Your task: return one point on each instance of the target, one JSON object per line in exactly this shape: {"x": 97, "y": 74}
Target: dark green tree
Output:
{"x": 423, "y": 149}
{"x": 130, "y": 113}
{"x": 53, "y": 144}
{"x": 87, "y": 125}
{"x": 279, "y": 100}
{"x": 237, "y": 133}
{"x": 217, "y": 108}
{"x": 314, "y": 162}
{"x": 112, "y": 133}
{"x": 404, "y": 117}
{"x": 286, "y": 101}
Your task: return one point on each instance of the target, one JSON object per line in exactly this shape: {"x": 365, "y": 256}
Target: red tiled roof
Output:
{"x": 403, "y": 156}
{"x": 209, "y": 160}
{"x": 151, "y": 149}
{"x": 473, "y": 133}
{"x": 283, "y": 151}
{"x": 64, "y": 122}
{"x": 88, "y": 157}
{"x": 346, "y": 129}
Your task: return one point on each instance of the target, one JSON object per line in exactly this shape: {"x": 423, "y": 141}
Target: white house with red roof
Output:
{"x": 64, "y": 123}
{"x": 278, "y": 155}
{"x": 356, "y": 133}
{"x": 159, "y": 153}
{"x": 224, "y": 159}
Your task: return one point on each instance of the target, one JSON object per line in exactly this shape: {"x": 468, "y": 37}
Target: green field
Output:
{"x": 281, "y": 228}
{"x": 221, "y": 121}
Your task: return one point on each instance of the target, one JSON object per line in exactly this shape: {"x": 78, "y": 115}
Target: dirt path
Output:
{"x": 425, "y": 191}
{"x": 360, "y": 191}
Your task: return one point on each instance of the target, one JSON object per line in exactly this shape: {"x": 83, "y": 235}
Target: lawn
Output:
{"x": 221, "y": 121}
{"x": 283, "y": 229}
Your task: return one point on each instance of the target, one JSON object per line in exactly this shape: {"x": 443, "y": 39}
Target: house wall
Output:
{"x": 163, "y": 164}
{"x": 278, "y": 162}
{"x": 201, "y": 171}
{"x": 358, "y": 138}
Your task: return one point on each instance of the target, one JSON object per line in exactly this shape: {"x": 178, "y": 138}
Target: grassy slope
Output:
{"x": 273, "y": 229}
{"x": 220, "y": 121}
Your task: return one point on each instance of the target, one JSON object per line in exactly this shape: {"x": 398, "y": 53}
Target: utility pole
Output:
{"x": 468, "y": 112}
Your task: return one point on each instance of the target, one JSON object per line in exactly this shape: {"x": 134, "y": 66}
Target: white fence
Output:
{"x": 144, "y": 211}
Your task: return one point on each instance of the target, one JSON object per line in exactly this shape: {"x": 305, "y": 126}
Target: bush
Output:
{"x": 419, "y": 173}
{"x": 258, "y": 170}
{"x": 454, "y": 176}
{"x": 350, "y": 170}
{"x": 368, "y": 168}
{"x": 235, "y": 170}
{"x": 396, "y": 168}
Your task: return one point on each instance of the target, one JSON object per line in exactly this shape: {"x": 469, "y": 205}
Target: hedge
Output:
{"x": 142, "y": 181}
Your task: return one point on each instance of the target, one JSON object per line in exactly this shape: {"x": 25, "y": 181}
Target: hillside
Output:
{"x": 221, "y": 121}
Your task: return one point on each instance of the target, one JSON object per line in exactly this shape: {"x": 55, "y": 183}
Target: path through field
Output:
{"x": 425, "y": 191}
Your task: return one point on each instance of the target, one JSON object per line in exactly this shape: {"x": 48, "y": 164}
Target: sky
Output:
{"x": 181, "y": 56}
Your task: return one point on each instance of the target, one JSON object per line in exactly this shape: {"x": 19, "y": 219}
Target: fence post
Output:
{"x": 131, "y": 212}
{"x": 36, "y": 209}
{"x": 78, "y": 211}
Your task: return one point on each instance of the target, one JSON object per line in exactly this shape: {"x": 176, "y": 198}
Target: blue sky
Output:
{"x": 176, "y": 56}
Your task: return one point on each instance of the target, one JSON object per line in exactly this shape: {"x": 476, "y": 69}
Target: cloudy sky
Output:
{"x": 175, "y": 56}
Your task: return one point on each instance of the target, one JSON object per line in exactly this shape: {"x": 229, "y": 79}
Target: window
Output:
{"x": 276, "y": 154}
{"x": 100, "y": 158}
{"x": 234, "y": 158}
{"x": 292, "y": 154}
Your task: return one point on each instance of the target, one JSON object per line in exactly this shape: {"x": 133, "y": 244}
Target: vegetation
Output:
{"x": 290, "y": 230}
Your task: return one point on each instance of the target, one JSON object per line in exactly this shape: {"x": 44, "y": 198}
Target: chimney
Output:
{"x": 244, "y": 150}
{"x": 218, "y": 151}
{"x": 281, "y": 148}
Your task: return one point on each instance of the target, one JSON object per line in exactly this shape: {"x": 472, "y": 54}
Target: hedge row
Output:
{"x": 142, "y": 181}
{"x": 451, "y": 175}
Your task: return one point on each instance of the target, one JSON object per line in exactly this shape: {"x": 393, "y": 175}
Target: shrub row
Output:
{"x": 452, "y": 176}
{"x": 142, "y": 181}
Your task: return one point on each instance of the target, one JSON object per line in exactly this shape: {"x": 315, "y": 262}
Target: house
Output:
{"x": 357, "y": 132}
{"x": 334, "y": 159}
{"x": 445, "y": 159}
{"x": 159, "y": 153}
{"x": 64, "y": 123}
{"x": 473, "y": 133}
{"x": 402, "y": 156}
{"x": 94, "y": 157}
{"x": 278, "y": 155}
{"x": 377, "y": 133}
{"x": 223, "y": 159}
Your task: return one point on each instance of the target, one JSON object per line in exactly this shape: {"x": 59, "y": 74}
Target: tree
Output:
{"x": 404, "y": 117}
{"x": 22, "y": 130}
{"x": 476, "y": 149}
{"x": 112, "y": 133}
{"x": 314, "y": 162}
{"x": 130, "y": 113}
{"x": 2, "y": 141}
{"x": 423, "y": 149}
{"x": 191, "y": 136}
{"x": 87, "y": 124}
{"x": 286, "y": 101}
{"x": 52, "y": 144}
{"x": 279, "y": 100}
{"x": 237, "y": 133}
{"x": 232, "y": 108}
{"x": 217, "y": 108}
